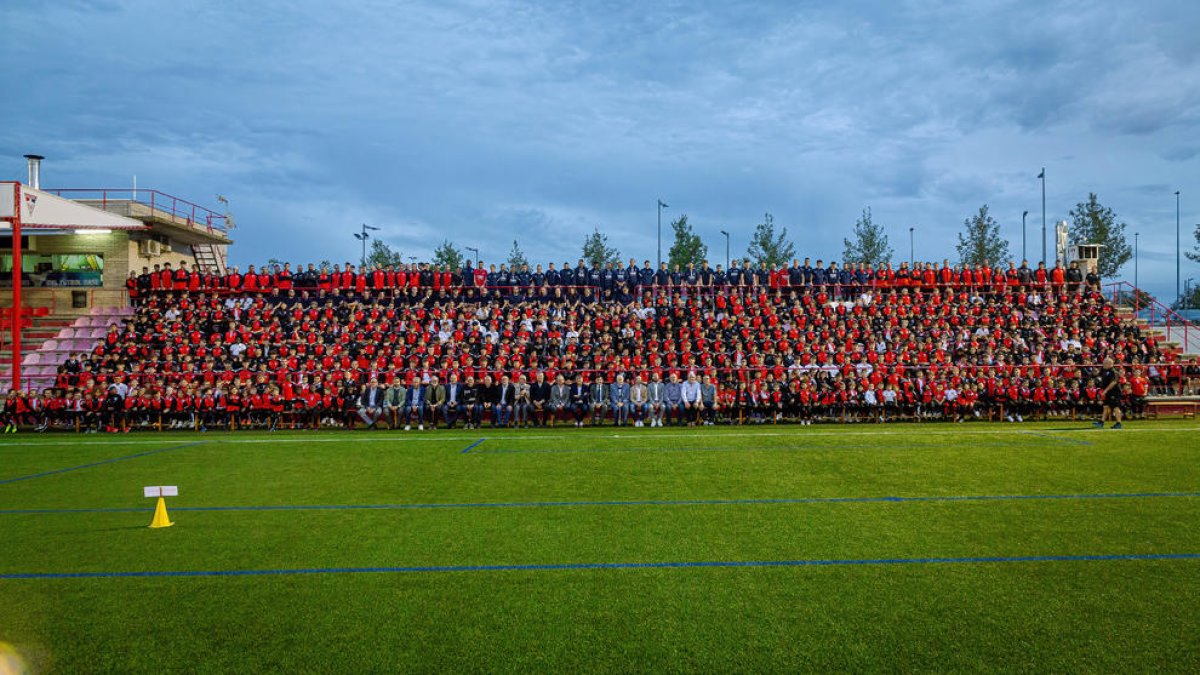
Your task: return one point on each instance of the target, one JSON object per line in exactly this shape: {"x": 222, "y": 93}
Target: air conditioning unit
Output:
{"x": 150, "y": 248}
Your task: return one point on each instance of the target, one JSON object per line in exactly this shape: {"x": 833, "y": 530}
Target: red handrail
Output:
{"x": 1159, "y": 314}
{"x": 160, "y": 201}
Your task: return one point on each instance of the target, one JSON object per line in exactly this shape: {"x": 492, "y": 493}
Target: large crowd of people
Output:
{"x": 415, "y": 346}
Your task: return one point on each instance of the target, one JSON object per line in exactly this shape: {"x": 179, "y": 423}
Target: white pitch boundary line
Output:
{"x": 364, "y": 437}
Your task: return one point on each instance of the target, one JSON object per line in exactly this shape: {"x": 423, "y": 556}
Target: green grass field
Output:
{"x": 846, "y": 574}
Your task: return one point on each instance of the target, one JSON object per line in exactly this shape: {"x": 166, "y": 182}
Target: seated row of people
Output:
{"x": 694, "y": 399}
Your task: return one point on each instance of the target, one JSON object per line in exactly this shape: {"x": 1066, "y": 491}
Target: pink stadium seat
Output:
{"x": 50, "y": 345}
{"x": 32, "y": 359}
{"x": 82, "y": 321}
{"x": 67, "y": 332}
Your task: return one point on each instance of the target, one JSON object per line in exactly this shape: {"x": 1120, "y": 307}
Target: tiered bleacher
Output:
{"x": 417, "y": 346}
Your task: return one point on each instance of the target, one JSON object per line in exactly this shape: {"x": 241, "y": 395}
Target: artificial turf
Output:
{"x": 871, "y": 539}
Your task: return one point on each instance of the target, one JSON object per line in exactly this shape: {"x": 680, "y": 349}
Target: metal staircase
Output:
{"x": 210, "y": 260}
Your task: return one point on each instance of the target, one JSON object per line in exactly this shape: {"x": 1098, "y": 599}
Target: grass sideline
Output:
{"x": 568, "y": 498}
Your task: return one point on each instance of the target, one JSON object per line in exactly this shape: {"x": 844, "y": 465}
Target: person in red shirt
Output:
{"x": 265, "y": 281}
{"x": 166, "y": 278}
{"x": 181, "y": 278}
{"x": 1139, "y": 388}
{"x": 250, "y": 282}
{"x": 283, "y": 278}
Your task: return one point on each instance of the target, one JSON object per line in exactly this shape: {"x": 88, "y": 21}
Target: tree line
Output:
{"x": 979, "y": 241}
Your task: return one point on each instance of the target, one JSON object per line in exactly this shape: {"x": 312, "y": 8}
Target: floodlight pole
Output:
{"x": 363, "y": 238}
{"x": 1042, "y": 176}
{"x": 1024, "y": 256}
{"x": 476, "y": 251}
{"x": 726, "y": 250}
{"x": 912, "y": 249}
{"x": 1136, "y": 235}
{"x": 1177, "y": 295}
{"x": 661, "y": 206}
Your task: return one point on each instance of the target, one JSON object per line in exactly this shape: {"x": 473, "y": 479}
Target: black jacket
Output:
{"x": 539, "y": 393}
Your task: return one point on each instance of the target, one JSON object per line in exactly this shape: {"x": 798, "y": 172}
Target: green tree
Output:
{"x": 597, "y": 250}
{"x": 1190, "y": 299}
{"x": 981, "y": 241}
{"x": 447, "y": 255}
{"x": 688, "y": 248}
{"x": 1094, "y": 223}
{"x": 381, "y": 254}
{"x": 516, "y": 257}
{"x": 870, "y": 243}
{"x": 1195, "y": 255}
{"x": 767, "y": 249}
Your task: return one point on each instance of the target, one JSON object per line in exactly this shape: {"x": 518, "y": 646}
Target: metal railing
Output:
{"x": 194, "y": 215}
{"x": 1156, "y": 314}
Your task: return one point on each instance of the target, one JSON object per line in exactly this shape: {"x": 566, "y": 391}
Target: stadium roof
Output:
{"x": 50, "y": 214}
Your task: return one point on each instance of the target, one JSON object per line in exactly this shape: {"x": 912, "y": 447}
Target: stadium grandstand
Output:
{"x": 124, "y": 316}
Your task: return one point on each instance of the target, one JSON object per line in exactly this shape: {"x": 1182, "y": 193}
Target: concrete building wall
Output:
{"x": 120, "y": 253}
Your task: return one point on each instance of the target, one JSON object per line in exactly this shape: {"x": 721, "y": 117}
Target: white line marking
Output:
{"x": 386, "y": 437}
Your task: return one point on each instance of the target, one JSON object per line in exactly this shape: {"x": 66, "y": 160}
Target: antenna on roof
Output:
{"x": 229, "y": 224}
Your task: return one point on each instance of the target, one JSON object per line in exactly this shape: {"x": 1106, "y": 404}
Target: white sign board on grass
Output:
{"x": 161, "y": 490}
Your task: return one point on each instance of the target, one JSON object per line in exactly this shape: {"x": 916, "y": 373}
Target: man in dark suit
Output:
{"x": 579, "y": 400}
{"x": 371, "y": 403}
{"x": 454, "y": 400}
{"x": 539, "y": 399}
{"x": 506, "y": 395}
{"x": 414, "y": 405}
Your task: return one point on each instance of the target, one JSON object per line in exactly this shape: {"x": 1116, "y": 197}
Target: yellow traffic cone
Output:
{"x": 160, "y": 515}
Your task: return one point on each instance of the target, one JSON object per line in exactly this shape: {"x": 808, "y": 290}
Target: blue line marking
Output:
{"x": 102, "y": 462}
{"x": 646, "y": 502}
{"x": 476, "y": 444}
{"x": 1060, "y": 439}
{"x": 610, "y": 566}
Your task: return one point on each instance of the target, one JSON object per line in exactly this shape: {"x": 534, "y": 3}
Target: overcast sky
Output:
{"x": 485, "y": 121}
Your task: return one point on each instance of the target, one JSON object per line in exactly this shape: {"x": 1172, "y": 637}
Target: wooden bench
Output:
{"x": 1173, "y": 406}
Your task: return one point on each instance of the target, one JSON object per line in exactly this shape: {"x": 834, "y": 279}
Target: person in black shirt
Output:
{"x": 1110, "y": 392}
{"x": 646, "y": 275}
{"x": 663, "y": 276}
{"x": 734, "y": 276}
{"x": 1074, "y": 277}
{"x": 795, "y": 274}
{"x": 470, "y": 403}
